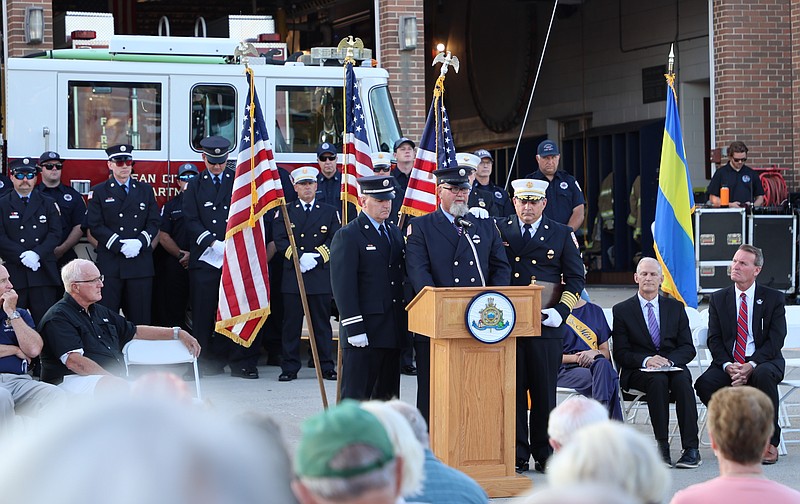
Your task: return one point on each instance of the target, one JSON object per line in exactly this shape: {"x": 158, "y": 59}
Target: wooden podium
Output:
{"x": 473, "y": 384}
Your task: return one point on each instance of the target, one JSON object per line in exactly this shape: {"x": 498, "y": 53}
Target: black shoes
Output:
{"x": 409, "y": 370}
{"x": 663, "y": 449}
{"x": 329, "y": 375}
{"x": 247, "y": 374}
{"x": 522, "y": 466}
{"x": 690, "y": 459}
{"x": 287, "y": 377}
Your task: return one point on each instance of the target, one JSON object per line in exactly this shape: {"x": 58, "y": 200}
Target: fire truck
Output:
{"x": 163, "y": 95}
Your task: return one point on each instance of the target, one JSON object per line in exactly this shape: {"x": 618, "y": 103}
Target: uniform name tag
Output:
{"x": 207, "y": 204}
{"x": 14, "y": 215}
{"x": 110, "y": 200}
{"x": 371, "y": 247}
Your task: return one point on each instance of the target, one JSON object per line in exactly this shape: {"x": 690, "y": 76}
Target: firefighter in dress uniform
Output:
{"x": 70, "y": 203}
{"x": 367, "y": 273}
{"x": 123, "y": 217}
{"x": 30, "y": 230}
{"x": 541, "y": 248}
{"x": 313, "y": 226}
{"x": 501, "y": 203}
{"x": 451, "y": 247}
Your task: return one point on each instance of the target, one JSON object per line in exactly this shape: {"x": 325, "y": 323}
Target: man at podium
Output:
{"x": 451, "y": 248}
{"x": 541, "y": 248}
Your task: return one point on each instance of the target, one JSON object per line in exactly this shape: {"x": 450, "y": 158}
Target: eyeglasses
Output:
{"x": 55, "y": 166}
{"x": 123, "y": 162}
{"x": 23, "y": 176}
{"x": 187, "y": 176}
{"x": 457, "y": 190}
{"x": 327, "y": 158}
{"x": 739, "y": 160}
{"x": 93, "y": 280}
{"x": 378, "y": 169}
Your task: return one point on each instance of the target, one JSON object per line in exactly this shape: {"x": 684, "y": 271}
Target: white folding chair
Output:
{"x": 792, "y": 342}
{"x": 160, "y": 353}
{"x": 632, "y": 400}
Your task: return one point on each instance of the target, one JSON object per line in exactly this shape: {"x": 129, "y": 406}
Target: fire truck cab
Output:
{"x": 165, "y": 94}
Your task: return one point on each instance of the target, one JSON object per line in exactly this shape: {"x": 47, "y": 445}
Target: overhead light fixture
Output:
{"x": 34, "y": 25}
{"x": 408, "y": 33}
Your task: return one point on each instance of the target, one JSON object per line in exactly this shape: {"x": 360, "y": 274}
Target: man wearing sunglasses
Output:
{"x": 123, "y": 216}
{"x": 30, "y": 228}
{"x": 171, "y": 258}
{"x": 742, "y": 181}
{"x": 70, "y": 202}
{"x": 329, "y": 180}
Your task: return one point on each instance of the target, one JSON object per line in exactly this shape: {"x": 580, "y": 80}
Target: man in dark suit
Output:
{"x": 206, "y": 203}
{"x": 451, "y": 248}
{"x": 746, "y": 330}
{"x": 30, "y": 229}
{"x": 313, "y": 227}
{"x": 367, "y": 270}
{"x": 123, "y": 217}
{"x": 651, "y": 332}
{"x": 540, "y": 247}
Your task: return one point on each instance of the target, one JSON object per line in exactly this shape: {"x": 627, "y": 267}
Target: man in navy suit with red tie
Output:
{"x": 746, "y": 330}
{"x": 651, "y": 337}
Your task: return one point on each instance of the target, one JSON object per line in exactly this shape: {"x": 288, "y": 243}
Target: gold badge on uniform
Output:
{"x": 323, "y": 229}
{"x": 551, "y": 254}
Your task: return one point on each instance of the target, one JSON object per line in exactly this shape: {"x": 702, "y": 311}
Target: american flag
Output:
{"x": 244, "y": 289}
{"x": 357, "y": 162}
{"x": 436, "y": 150}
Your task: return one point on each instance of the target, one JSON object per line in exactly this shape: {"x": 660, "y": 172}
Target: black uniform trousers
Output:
{"x": 320, "y": 307}
{"x": 657, "y": 387}
{"x": 132, "y": 295}
{"x": 422, "y": 348}
{"x": 38, "y": 300}
{"x": 538, "y": 362}
{"x": 765, "y": 377}
{"x": 170, "y": 291}
{"x": 372, "y": 373}
{"x": 204, "y": 289}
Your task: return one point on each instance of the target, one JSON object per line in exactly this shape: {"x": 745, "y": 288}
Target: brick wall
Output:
{"x": 754, "y": 60}
{"x": 406, "y": 68}
{"x": 16, "y": 27}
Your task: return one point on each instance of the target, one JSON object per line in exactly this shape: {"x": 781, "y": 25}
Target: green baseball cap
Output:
{"x": 325, "y": 435}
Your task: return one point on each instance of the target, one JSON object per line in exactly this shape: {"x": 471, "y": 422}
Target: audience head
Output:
{"x": 406, "y": 445}
{"x": 570, "y": 416}
{"x": 153, "y": 452}
{"x": 414, "y": 419}
{"x": 740, "y": 424}
{"x": 581, "y": 493}
{"x": 614, "y": 454}
{"x": 346, "y": 456}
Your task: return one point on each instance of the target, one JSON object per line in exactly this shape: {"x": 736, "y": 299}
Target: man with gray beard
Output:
{"x": 451, "y": 248}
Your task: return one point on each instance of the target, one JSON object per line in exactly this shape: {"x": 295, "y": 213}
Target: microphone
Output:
{"x": 462, "y": 222}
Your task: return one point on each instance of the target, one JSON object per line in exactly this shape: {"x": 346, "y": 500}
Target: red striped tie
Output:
{"x": 741, "y": 331}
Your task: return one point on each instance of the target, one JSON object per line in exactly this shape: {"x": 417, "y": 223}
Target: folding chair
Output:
{"x": 160, "y": 353}
{"x": 792, "y": 342}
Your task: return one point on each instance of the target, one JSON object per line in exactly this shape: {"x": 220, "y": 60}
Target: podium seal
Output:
{"x": 490, "y": 317}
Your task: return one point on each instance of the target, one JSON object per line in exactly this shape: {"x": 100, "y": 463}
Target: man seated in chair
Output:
{"x": 586, "y": 363}
{"x": 651, "y": 338}
{"x": 746, "y": 331}
{"x": 84, "y": 339}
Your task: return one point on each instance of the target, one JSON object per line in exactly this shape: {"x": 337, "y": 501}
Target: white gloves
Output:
{"x": 30, "y": 259}
{"x": 130, "y": 247}
{"x": 308, "y": 261}
{"x": 359, "y": 340}
{"x": 479, "y": 212}
{"x": 219, "y": 247}
{"x": 553, "y": 318}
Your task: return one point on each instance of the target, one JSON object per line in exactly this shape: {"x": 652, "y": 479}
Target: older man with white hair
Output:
{"x": 572, "y": 415}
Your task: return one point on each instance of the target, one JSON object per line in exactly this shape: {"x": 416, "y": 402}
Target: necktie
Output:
{"x": 216, "y": 182}
{"x": 385, "y": 233}
{"x": 308, "y": 207}
{"x": 741, "y": 331}
{"x": 652, "y": 324}
{"x": 526, "y": 233}
{"x": 25, "y": 199}
{"x": 459, "y": 229}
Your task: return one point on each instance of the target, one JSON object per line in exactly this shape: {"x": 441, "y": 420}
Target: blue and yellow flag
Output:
{"x": 672, "y": 232}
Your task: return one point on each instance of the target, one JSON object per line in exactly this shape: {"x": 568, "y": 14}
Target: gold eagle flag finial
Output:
{"x": 447, "y": 61}
{"x": 349, "y": 44}
{"x": 244, "y": 51}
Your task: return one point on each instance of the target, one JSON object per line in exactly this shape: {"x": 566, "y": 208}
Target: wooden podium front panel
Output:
{"x": 472, "y": 420}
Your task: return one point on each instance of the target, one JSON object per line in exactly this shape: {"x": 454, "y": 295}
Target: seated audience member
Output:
{"x": 443, "y": 484}
{"x": 615, "y": 454}
{"x": 740, "y": 426}
{"x": 19, "y": 343}
{"x": 345, "y": 456}
{"x": 572, "y": 415}
{"x": 142, "y": 451}
{"x": 581, "y": 493}
{"x": 652, "y": 347}
{"x": 83, "y": 339}
{"x": 586, "y": 364}
{"x": 406, "y": 447}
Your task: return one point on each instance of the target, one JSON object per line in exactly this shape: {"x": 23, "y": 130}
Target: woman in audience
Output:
{"x": 740, "y": 425}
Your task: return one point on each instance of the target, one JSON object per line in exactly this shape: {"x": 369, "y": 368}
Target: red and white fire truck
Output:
{"x": 165, "y": 94}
